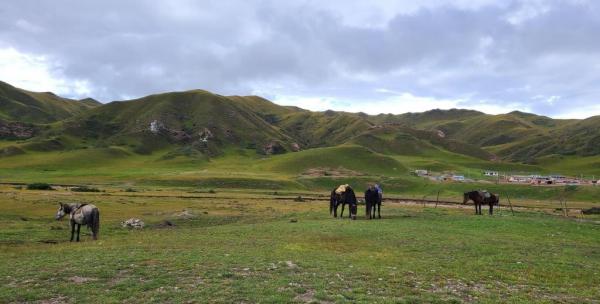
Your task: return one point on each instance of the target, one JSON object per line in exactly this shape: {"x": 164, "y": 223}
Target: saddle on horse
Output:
{"x": 341, "y": 189}
{"x": 486, "y": 194}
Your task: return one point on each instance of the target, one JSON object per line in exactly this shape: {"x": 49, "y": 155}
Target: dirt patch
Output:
{"x": 309, "y": 297}
{"x": 49, "y": 241}
{"x": 55, "y": 300}
{"x": 185, "y": 214}
{"x": 165, "y": 224}
{"x": 81, "y": 280}
{"x": 325, "y": 171}
{"x": 122, "y": 275}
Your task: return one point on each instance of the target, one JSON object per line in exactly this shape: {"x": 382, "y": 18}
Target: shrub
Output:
{"x": 130, "y": 190}
{"x": 85, "y": 189}
{"x": 570, "y": 188}
{"x": 39, "y": 186}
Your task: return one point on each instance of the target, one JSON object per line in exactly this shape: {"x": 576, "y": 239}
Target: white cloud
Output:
{"x": 38, "y": 73}
{"x": 396, "y": 103}
{"x": 529, "y": 10}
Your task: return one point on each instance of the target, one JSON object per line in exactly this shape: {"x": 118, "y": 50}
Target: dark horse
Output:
{"x": 347, "y": 197}
{"x": 81, "y": 214}
{"x": 372, "y": 202}
{"x": 480, "y": 198}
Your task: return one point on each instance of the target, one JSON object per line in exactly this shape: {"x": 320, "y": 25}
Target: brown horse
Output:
{"x": 344, "y": 198}
{"x": 480, "y": 198}
{"x": 372, "y": 201}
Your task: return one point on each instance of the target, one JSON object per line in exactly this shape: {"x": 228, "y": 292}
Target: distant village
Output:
{"x": 495, "y": 176}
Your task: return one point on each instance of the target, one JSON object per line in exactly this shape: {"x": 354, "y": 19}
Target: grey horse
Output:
{"x": 80, "y": 214}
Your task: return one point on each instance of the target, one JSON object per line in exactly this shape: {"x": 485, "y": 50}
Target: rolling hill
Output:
{"x": 18, "y": 105}
{"x": 199, "y": 126}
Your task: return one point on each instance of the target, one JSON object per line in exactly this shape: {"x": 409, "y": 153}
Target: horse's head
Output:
{"x": 465, "y": 197}
{"x": 62, "y": 211}
{"x": 496, "y": 199}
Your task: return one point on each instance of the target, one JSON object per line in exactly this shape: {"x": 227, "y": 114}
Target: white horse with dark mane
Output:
{"x": 81, "y": 214}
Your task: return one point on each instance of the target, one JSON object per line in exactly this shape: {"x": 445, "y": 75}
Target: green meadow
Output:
{"x": 252, "y": 247}
{"x": 242, "y": 227}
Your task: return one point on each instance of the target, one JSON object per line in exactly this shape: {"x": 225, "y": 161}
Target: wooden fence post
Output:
{"x": 510, "y": 204}
{"x": 437, "y": 199}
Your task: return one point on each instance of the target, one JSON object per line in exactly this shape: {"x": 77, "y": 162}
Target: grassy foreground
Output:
{"x": 246, "y": 248}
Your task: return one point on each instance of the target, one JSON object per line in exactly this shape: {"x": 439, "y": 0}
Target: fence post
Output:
{"x": 510, "y": 204}
{"x": 437, "y": 199}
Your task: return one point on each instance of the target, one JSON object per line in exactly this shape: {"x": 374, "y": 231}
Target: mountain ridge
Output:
{"x": 201, "y": 123}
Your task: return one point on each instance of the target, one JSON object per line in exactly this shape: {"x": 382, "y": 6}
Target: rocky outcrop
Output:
{"x": 133, "y": 223}
{"x": 274, "y": 147}
{"x": 16, "y": 130}
{"x": 295, "y": 147}
{"x": 205, "y": 135}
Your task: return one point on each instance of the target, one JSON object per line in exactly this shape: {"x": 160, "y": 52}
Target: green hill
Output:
{"x": 237, "y": 133}
{"x": 191, "y": 122}
{"x": 19, "y": 105}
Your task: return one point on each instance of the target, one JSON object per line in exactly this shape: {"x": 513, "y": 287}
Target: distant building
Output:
{"x": 490, "y": 173}
{"x": 459, "y": 178}
{"x": 520, "y": 179}
{"x": 421, "y": 172}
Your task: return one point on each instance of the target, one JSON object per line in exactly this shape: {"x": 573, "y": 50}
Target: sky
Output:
{"x": 385, "y": 56}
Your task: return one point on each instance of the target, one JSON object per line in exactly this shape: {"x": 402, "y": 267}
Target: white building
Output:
{"x": 421, "y": 172}
{"x": 490, "y": 173}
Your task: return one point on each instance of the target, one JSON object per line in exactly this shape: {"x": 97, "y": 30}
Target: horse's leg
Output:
{"x": 78, "y": 228}
{"x": 491, "y": 209}
{"x": 342, "y": 213}
{"x": 72, "y": 230}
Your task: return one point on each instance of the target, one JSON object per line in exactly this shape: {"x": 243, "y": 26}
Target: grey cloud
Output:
{"x": 448, "y": 50}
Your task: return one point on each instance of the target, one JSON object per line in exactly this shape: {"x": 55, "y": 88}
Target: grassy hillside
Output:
{"x": 318, "y": 129}
{"x": 515, "y": 136}
{"x": 355, "y": 158}
{"x": 25, "y": 106}
{"x": 193, "y": 123}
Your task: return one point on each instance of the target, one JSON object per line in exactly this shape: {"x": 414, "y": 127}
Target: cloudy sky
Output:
{"x": 372, "y": 56}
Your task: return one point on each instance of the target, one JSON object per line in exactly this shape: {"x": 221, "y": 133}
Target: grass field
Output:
{"x": 251, "y": 246}
{"x": 245, "y": 169}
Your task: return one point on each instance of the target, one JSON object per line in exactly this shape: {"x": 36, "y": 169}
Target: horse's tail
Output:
{"x": 95, "y": 223}
{"x": 331, "y": 202}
